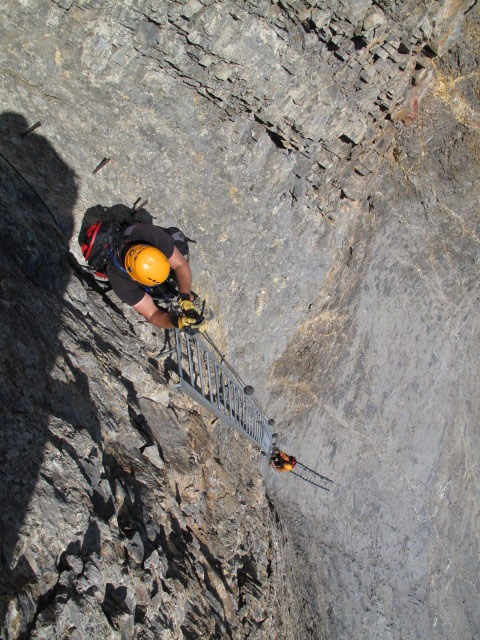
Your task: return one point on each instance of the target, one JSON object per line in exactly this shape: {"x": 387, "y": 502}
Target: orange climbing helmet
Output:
{"x": 287, "y": 466}
{"x": 146, "y": 264}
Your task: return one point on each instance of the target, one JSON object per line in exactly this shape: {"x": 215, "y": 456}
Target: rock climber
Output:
{"x": 281, "y": 461}
{"x": 138, "y": 257}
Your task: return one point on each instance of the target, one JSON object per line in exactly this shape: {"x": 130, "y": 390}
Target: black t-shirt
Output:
{"x": 127, "y": 289}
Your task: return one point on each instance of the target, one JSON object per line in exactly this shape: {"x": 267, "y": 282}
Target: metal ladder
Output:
{"x": 312, "y": 477}
{"x": 213, "y": 386}
{"x": 217, "y": 388}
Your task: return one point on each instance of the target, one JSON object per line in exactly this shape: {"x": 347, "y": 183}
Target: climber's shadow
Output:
{"x": 47, "y": 409}
{"x": 41, "y": 396}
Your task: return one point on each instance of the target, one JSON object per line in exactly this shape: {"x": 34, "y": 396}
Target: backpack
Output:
{"x": 180, "y": 240}
{"x": 103, "y": 239}
{"x": 101, "y": 243}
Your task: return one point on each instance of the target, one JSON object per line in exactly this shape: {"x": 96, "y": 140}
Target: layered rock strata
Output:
{"x": 383, "y": 397}
{"x": 269, "y": 132}
{"x": 262, "y": 120}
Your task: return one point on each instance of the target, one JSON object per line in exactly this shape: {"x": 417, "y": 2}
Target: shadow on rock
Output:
{"x": 37, "y": 195}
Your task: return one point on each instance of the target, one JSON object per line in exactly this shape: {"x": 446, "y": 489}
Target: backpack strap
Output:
{"x": 129, "y": 229}
{"x": 117, "y": 264}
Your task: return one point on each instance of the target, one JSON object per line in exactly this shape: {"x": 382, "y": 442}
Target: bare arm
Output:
{"x": 183, "y": 274}
{"x": 149, "y": 310}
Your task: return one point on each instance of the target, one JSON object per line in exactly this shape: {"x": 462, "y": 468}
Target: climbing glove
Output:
{"x": 186, "y": 322}
{"x": 187, "y": 307}
{"x": 191, "y": 320}
{"x": 191, "y": 325}
{"x": 201, "y": 326}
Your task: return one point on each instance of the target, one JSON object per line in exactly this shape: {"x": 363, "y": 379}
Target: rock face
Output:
{"x": 123, "y": 517}
{"x": 383, "y": 394}
{"x": 334, "y": 242}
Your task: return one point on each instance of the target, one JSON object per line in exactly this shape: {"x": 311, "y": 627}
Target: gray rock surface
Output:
{"x": 339, "y": 250}
{"x": 383, "y": 394}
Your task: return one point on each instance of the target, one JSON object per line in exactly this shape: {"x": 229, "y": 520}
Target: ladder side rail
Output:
{"x": 315, "y": 473}
{"x": 249, "y": 418}
{"x": 200, "y": 366}
{"x": 230, "y": 398}
{"x": 315, "y": 484}
{"x": 190, "y": 362}
{"x": 260, "y": 430}
{"x": 179, "y": 354}
{"x": 217, "y": 385}
{"x": 209, "y": 375}
{"x": 235, "y": 404}
{"x": 254, "y": 424}
{"x": 225, "y": 392}
{"x": 257, "y": 427}
{"x": 267, "y": 441}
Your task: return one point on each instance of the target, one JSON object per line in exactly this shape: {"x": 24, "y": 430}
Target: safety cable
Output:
{"x": 223, "y": 359}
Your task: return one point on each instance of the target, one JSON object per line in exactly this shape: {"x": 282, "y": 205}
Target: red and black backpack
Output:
{"x": 102, "y": 241}
{"x": 100, "y": 245}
